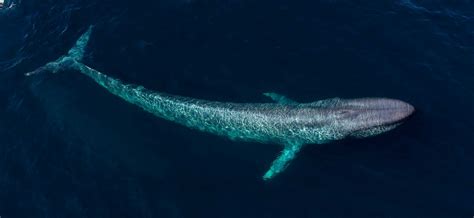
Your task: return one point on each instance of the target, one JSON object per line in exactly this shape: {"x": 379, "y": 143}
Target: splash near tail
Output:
{"x": 74, "y": 56}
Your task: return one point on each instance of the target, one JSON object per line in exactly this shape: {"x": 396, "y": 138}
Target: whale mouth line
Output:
{"x": 375, "y": 130}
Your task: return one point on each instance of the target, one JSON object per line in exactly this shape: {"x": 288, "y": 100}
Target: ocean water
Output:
{"x": 70, "y": 149}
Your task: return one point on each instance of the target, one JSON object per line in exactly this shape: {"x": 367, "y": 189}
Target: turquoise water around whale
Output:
{"x": 70, "y": 149}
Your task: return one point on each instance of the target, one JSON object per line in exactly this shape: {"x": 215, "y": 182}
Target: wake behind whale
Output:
{"x": 285, "y": 122}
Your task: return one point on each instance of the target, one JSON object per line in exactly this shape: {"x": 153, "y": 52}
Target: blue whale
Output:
{"x": 285, "y": 122}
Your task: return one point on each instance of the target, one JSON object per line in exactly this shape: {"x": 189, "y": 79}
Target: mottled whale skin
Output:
{"x": 285, "y": 122}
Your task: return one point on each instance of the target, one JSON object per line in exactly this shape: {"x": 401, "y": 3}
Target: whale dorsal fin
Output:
{"x": 282, "y": 161}
{"x": 280, "y": 99}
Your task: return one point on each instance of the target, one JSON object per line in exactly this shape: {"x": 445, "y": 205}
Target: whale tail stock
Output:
{"x": 74, "y": 56}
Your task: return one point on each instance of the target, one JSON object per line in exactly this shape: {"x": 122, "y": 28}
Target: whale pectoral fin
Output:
{"x": 281, "y": 99}
{"x": 280, "y": 164}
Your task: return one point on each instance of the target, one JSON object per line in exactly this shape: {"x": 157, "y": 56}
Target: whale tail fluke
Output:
{"x": 74, "y": 56}
{"x": 77, "y": 52}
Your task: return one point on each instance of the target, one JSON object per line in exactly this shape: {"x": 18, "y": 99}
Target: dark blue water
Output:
{"x": 70, "y": 149}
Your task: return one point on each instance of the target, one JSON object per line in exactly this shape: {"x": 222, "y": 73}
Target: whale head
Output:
{"x": 364, "y": 117}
